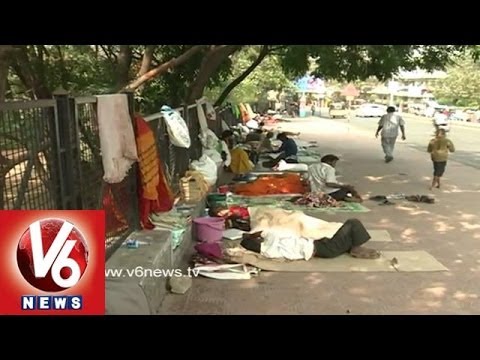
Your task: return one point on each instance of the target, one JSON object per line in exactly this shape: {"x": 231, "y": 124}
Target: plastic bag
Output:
{"x": 207, "y": 167}
{"x": 176, "y": 127}
{"x": 211, "y": 113}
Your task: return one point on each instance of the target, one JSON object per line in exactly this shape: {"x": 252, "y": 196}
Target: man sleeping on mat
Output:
{"x": 279, "y": 233}
{"x": 347, "y": 240}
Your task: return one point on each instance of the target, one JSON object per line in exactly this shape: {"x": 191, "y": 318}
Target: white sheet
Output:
{"x": 117, "y": 138}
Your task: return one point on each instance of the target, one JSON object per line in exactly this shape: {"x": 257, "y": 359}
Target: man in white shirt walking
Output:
{"x": 389, "y": 125}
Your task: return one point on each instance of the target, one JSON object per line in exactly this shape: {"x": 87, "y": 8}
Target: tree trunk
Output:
{"x": 146, "y": 60}
{"x": 4, "y": 65}
{"x": 263, "y": 53}
{"x": 163, "y": 68}
{"x": 63, "y": 69}
{"x": 124, "y": 60}
{"x": 5, "y": 51}
{"x": 211, "y": 62}
{"x": 24, "y": 67}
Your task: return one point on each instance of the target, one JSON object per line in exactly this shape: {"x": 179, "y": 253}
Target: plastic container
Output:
{"x": 215, "y": 197}
{"x": 209, "y": 229}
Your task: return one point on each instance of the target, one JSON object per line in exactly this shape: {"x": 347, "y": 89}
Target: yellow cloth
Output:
{"x": 240, "y": 163}
{"x": 439, "y": 148}
{"x": 148, "y": 164}
{"x": 244, "y": 112}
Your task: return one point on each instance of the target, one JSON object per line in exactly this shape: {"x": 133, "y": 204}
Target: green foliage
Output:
{"x": 269, "y": 75}
{"x": 92, "y": 69}
{"x": 359, "y": 62}
{"x": 460, "y": 88}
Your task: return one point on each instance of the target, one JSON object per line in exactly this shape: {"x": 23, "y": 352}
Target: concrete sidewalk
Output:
{"x": 449, "y": 230}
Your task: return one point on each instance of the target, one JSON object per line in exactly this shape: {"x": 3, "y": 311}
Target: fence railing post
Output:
{"x": 65, "y": 128}
{"x": 134, "y": 180}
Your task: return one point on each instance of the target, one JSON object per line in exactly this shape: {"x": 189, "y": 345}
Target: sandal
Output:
{"x": 366, "y": 253}
{"x": 378, "y": 198}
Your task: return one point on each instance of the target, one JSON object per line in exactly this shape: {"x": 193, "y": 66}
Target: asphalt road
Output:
{"x": 420, "y": 131}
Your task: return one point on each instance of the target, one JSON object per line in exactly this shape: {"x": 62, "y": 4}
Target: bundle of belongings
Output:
{"x": 210, "y": 261}
{"x": 273, "y": 185}
{"x": 316, "y": 200}
{"x": 387, "y": 199}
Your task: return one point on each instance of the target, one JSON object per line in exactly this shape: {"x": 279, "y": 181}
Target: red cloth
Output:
{"x": 239, "y": 211}
{"x": 114, "y": 219}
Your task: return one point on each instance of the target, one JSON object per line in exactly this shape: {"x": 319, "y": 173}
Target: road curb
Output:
{"x": 452, "y": 123}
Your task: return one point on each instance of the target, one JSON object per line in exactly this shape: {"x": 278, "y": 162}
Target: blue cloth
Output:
{"x": 289, "y": 147}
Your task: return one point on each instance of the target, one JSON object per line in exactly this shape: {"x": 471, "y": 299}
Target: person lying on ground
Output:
{"x": 255, "y": 135}
{"x": 349, "y": 239}
{"x": 322, "y": 178}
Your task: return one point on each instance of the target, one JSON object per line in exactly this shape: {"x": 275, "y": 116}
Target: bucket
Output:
{"x": 209, "y": 229}
{"x": 216, "y": 197}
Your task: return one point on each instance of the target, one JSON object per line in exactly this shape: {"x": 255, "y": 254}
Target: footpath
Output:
{"x": 449, "y": 230}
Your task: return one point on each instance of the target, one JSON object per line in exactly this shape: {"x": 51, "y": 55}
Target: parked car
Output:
{"x": 337, "y": 110}
{"x": 371, "y": 110}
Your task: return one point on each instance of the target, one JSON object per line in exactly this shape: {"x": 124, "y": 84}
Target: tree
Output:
{"x": 256, "y": 69}
{"x": 461, "y": 86}
{"x": 359, "y": 62}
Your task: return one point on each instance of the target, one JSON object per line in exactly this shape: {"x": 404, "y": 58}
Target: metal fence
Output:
{"x": 29, "y": 175}
{"x": 50, "y": 158}
{"x": 176, "y": 160}
{"x": 226, "y": 114}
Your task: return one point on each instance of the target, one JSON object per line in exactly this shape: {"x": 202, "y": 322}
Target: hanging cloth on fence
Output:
{"x": 115, "y": 221}
{"x": 236, "y": 112}
{"x": 202, "y": 119}
{"x": 117, "y": 138}
{"x": 250, "y": 112}
{"x": 154, "y": 192}
{"x": 244, "y": 113}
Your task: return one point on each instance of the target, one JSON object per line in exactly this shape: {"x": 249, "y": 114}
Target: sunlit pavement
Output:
{"x": 449, "y": 230}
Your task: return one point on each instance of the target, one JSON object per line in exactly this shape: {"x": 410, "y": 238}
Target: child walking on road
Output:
{"x": 439, "y": 148}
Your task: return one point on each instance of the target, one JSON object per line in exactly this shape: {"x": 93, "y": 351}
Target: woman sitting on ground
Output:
{"x": 239, "y": 160}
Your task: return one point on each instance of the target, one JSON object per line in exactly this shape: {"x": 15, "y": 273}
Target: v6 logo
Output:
{"x": 52, "y": 255}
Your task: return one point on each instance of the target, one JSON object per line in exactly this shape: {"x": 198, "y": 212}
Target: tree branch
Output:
{"x": 212, "y": 60}
{"x": 109, "y": 54}
{"x": 163, "y": 68}
{"x": 263, "y": 53}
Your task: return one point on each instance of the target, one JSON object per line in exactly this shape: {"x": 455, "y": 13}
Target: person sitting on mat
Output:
{"x": 349, "y": 239}
{"x": 288, "y": 151}
{"x": 322, "y": 178}
{"x": 239, "y": 160}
